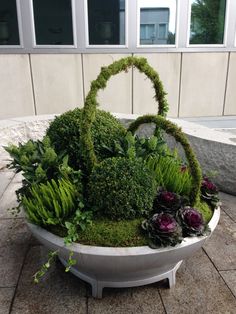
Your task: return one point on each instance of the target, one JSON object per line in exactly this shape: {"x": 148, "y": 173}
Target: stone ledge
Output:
{"x": 215, "y": 150}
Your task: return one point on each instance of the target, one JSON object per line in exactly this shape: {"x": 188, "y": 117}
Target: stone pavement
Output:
{"x": 206, "y": 282}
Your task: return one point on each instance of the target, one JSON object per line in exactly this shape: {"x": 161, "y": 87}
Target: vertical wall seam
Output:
{"x": 180, "y": 82}
{"x": 132, "y": 88}
{"x": 83, "y": 83}
{"x": 226, "y": 84}
{"x": 32, "y": 84}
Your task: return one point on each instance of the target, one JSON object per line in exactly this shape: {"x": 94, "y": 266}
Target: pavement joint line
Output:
{"x": 163, "y": 304}
{"x": 7, "y": 287}
{"x": 234, "y": 269}
{"x": 219, "y": 273}
{"x": 7, "y": 187}
{"x": 228, "y": 214}
{"x": 18, "y": 279}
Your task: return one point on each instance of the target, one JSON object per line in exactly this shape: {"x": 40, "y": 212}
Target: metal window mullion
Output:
{"x": 182, "y": 31}
{"x": 230, "y": 39}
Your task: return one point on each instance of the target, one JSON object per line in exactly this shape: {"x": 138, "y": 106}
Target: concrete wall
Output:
{"x": 198, "y": 84}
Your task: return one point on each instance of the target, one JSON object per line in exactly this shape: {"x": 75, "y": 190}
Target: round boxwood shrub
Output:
{"x": 121, "y": 188}
{"x": 65, "y": 130}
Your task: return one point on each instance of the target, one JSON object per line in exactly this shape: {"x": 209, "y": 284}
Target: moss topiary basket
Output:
{"x": 129, "y": 266}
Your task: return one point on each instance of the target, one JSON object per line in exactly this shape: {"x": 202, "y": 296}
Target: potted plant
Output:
{"x": 118, "y": 210}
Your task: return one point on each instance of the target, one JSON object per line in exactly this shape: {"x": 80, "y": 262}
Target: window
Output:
{"x": 106, "y": 22}
{"x": 157, "y": 22}
{"x": 207, "y": 22}
{"x": 53, "y": 22}
{"x": 9, "y": 31}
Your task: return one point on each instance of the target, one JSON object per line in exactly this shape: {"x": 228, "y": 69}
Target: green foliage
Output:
{"x": 172, "y": 129}
{"x": 65, "y": 131}
{"x": 121, "y": 188}
{"x": 104, "y": 232}
{"x": 50, "y": 203}
{"x": 169, "y": 175}
{"x": 45, "y": 267}
{"x": 205, "y": 210}
{"x": 71, "y": 262}
{"x": 39, "y": 163}
{"x": 132, "y": 146}
{"x": 80, "y": 221}
{"x": 207, "y": 22}
{"x": 87, "y": 145}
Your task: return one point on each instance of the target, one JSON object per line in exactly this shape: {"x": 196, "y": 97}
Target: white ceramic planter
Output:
{"x": 123, "y": 267}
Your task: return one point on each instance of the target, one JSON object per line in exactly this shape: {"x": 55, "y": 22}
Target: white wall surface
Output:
{"x": 198, "y": 84}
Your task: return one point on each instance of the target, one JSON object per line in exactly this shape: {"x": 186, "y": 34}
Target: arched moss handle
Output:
{"x": 89, "y": 110}
{"x": 173, "y": 130}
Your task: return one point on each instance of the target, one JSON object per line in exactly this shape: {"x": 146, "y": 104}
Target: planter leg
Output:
{"x": 172, "y": 275}
{"x": 97, "y": 290}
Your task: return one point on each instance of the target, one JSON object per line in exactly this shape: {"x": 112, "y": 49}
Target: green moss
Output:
{"x": 205, "y": 210}
{"x": 65, "y": 131}
{"x": 114, "y": 233}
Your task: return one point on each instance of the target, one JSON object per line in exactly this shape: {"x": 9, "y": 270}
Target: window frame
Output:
{"x": 74, "y": 32}
{"x": 88, "y": 46}
{"x": 223, "y": 45}
{"x": 20, "y": 30}
{"x": 138, "y": 45}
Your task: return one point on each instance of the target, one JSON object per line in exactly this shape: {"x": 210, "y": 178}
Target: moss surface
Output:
{"x": 205, "y": 210}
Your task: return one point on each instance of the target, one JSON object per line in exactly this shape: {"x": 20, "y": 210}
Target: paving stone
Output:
{"x": 230, "y": 279}
{"x": 58, "y": 292}
{"x": 144, "y": 299}
{"x": 221, "y": 247}
{"x": 5, "y": 179}
{"x": 14, "y": 239}
{"x": 199, "y": 289}
{"x": 229, "y": 204}
{"x": 6, "y": 295}
{"x": 9, "y": 199}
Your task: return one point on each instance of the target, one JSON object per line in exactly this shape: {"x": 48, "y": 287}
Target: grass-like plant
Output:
{"x": 170, "y": 175}
{"x": 50, "y": 203}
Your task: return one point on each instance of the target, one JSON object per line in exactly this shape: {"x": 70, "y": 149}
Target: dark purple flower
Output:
{"x": 164, "y": 223}
{"x": 168, "y": 197}
{"x": 183, "y": 168}
{"x": 192, "y": 218}
{"x": 208, "y": 185}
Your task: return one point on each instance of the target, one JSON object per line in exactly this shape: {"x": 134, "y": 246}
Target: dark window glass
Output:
{"x": 9, "y": 32}
{"x": 106, "y": 19}
{"x": 207, "y": 21}
{"x": 157, "y": 24}
{"x": 53, "y": 22}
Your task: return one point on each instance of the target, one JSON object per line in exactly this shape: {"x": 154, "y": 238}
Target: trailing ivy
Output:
{"x": 172, "y": 129}
{"x": 89, "y": 111}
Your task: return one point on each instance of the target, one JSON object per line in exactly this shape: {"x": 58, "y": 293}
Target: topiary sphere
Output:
{"x": 121, "y": 188}
{"x": 64, "y": 133}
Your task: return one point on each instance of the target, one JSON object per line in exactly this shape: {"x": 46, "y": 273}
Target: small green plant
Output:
{"x": 170, "y": 174}
{"x": 45, "y": 267}
{"x": 64, "y": 132}
{"x": 80, "y": 221}
{"x": 51, "y": 203}
{"x": 121, "y": 188}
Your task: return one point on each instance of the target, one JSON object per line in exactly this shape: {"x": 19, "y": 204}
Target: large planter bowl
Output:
{"x": 123, "y": 267}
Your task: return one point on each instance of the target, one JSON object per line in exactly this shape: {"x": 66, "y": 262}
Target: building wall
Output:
{"x": 198, "y": 84}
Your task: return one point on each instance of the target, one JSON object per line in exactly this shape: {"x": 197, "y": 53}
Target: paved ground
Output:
{"x": 206, "y": 283}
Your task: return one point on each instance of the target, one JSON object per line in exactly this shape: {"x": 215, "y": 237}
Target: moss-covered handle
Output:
{"x": 176, "y": 132}
{"x": 89, "y": 111}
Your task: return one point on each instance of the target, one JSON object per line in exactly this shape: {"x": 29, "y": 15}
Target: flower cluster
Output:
{"x": 209, "y": 192}
{"x": 172, "y": 221}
